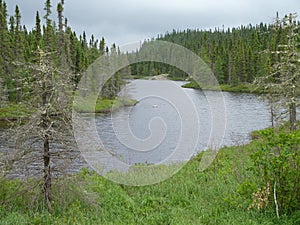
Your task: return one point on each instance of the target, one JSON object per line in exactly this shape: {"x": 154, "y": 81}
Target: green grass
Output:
{"x": 245, "y": 88}
{"x": 237, "y": 88}
{"x": 178, "y": 78}
{"x": 169, "y": 77}
{"x": 102, "y": 105}
{"x": 15, "y": 111}
{"x": 219, "y": 195}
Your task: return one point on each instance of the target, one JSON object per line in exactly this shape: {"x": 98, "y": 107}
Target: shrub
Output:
{"x": 277, "y": 165}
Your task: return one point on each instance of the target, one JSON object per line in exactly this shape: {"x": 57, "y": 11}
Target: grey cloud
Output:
{"x": 124, "y": 21}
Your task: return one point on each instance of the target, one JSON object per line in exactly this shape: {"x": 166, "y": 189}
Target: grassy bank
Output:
{"x": 178, "y": 78}
{"x": 103, "y": 105}
{"x": 245, "y": 88}
{"x": 221, "y": 194}
{"x": 15, "y": 111}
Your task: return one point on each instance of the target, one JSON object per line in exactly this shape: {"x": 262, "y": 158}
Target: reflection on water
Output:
{"x": 244, "y": 113}
{"x": 157, "y": 122}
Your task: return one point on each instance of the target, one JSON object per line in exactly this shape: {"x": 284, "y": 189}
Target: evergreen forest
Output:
{"x": 41, "y": 69}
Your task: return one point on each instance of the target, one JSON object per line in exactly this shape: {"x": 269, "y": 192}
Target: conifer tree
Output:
{"x": 68, "y": 48}
{"x": 283, "y": 81}
{"x": 5, "y": 50}
{"x": 60, "y": 42}
{"x": 102, "y": 46}
{"x": 38, "y": 32}
{"x": 18, "y": 55}
{"x": 31, "y": 74}
{"x": 289, "y": 67}
{"x": 48, "y": 29}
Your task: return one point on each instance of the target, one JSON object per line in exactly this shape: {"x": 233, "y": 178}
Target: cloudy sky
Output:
{"x": 129, "y": 21}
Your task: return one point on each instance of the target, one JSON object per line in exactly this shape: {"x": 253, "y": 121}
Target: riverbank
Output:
{"x": 240, "y": 88}
{"x": 12, "y": 112}
{"x": 15, "y": 111}
{"x": 104, "y": 105}
{"x": 222, "y": 194}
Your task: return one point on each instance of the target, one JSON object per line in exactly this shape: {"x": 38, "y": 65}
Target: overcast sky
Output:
{"x": 128, "y": 21}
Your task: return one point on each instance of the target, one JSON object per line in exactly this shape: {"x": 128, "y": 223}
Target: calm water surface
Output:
{"x": 244, "y": 113}
{"x": 158, "y": 122}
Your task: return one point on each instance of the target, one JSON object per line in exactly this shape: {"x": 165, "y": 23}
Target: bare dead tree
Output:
{"x": 46, "y": 135}
{"x": 283, "y": 81}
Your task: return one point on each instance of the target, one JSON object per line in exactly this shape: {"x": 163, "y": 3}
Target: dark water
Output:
{"x": 166, "y": 117}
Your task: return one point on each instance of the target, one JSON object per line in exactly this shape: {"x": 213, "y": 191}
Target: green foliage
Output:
{"x": 224, "y": 87}
{"x": 277, "y": 163}
{"x": 192, "y": 84}
{"x": 282, "y": 75}
{"x": 15, "y": 111}
{"x": 18, "y": 59}
{"x": 233, "y": 55}
{"x": 70, "y": 53}
{"x": 15, "y": 218}
{"x": 103, "y": 105}
{"x": 219, "y": 195}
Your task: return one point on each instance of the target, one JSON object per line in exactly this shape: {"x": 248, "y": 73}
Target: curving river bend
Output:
{"x": 157, "y": 121}
{"x": 243, "y": 113}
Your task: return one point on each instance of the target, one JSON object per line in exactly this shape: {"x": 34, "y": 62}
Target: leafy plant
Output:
{"x": 277, "y": 164}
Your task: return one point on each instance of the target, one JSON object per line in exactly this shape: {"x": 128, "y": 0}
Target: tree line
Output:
{"x": 236, "y": 55}
{"x": 41, "y": 69}
{"x": 39, "y": 66}
{"x": 19, "y": 46}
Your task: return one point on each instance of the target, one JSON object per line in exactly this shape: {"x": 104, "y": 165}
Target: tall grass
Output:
{"x": 219, "y": 195}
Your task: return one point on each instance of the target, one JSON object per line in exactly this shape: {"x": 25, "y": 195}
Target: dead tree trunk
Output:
{"x": 46, "y": 150}
{"x": 47, "y": 172}
{"x": 293, "y": 116}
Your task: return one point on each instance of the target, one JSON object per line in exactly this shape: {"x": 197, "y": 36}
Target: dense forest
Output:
{"x": 235, "y": 55}
{"x": 40, "y": 71}
{"x": 69, "y": 52}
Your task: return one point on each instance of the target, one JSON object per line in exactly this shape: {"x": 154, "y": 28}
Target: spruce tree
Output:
{"x": 37, "y": 32}
{"x": 60, "y": 42}
{"x": 5, "y": 48}
{"x": 283, "y": 81}
{"x": 18, "y": 55}
{"x": 48, "y": 28}
{"x": 289, "y": 67}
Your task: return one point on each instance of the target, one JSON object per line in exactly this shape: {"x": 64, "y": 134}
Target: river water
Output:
{"x": 158, "y": 122}
{"x": 168, "y": 116}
